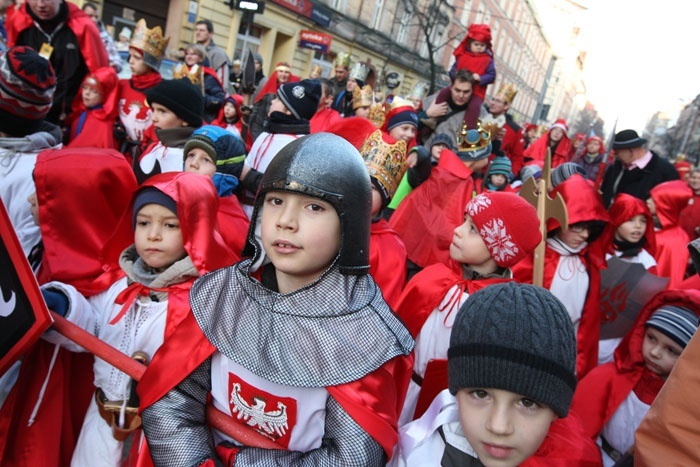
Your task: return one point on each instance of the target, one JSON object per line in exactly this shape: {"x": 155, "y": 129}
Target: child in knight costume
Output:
{"x": 297, "y": 338}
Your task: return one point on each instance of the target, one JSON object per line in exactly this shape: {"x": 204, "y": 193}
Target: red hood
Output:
{"x": 670, "y": 198}
{"x": 624, "y": 208}
{"x": 82, "y": 194}
{"x": 197, "y": 206}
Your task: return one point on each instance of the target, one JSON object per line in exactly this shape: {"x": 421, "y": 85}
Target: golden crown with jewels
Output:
{"x": 194, "y": 74}
{"x": 473, "y": 140}
{"x": 362, "y": 96}
{"x": 385, "y": 162}
{"x": 151, "y": 42}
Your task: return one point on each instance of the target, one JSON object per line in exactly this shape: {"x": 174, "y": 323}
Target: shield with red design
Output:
{"x": 23, "y": 313}
{"x": 624, "y": 290}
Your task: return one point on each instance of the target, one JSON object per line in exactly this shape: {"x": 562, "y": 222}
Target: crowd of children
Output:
{"x": 314, "y": 278}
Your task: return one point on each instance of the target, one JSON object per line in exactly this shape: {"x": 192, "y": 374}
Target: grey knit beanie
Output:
{"x": 515, "y": 337}
{"x": 563, "y": 172}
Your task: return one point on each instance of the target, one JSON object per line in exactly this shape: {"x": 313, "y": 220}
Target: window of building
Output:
{"x": 378, "y": 15}
{"x": 404, "y": 26}
{"x": 325, "y": 62}
{"x": 249, "y": 36}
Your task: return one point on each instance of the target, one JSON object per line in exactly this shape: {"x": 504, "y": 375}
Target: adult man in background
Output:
{"x": 447, "y": 116}
{"x": 115, "y": 61}
{"x": 341, "y": 67}
{"x": 510, "y": 138}
{"x": 61, "y": 32}
{"x": 636, "y": 170}
{"x": 218, "y": 60}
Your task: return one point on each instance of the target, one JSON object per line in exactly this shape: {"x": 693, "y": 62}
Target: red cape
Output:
{"x": 538, "y": 150}
{"x": 427, "y": 217}
{"x": 602, "y": 391}
{"x": 387, "y": 261}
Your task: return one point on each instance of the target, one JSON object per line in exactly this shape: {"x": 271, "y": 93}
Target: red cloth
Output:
{"x": 602, "y": 391}
{"x": 426, "y": 218}
{"x": 514, "y": 146}
{"x": 271, "y": 85}
{"x": 387, "y": 261}
{"x": 98, "y": 129}
{"x": 538, "y": 150}
{"x": 476, "y": 63}
{"x": 91, "y": 46}
{"x": 233, "y": 224}
{"x": 566, "y": 445}
{"x": 690, "y": 217}
{"x": 75, "y": 223}
{"x": 324, "y": 119}
{"x": 132, "y": 99}
{"x": 670, "y": 198}
{"x": 355, "y": 130}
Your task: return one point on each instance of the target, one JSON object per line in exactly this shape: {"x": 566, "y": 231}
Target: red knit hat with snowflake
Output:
{"x": 507, "y": 223}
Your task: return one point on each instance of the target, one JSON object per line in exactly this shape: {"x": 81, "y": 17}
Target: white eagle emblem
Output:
{"x": 7, "y": 307}
{"x": 273, "y": 422}
{"x": 298, "y": 92}
{"x": 498, "y": 240}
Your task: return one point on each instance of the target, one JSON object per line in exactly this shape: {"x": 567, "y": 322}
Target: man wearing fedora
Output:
{"x": 636, "y": 170}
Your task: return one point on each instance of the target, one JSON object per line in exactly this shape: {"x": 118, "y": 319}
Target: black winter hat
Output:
{"x": 182, "y": 97}
{"x": 301, "y": 98}
{"x": 152, "y": 195}
{"x": 515, "y": 337}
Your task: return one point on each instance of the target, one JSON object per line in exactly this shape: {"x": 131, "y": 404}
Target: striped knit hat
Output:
{"x": 676, "y": 322}
{"x": 27, "y": 84}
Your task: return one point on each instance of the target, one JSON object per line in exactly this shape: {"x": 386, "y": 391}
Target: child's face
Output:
{"x": 468, "y": 247}
{"x": 376, "y": 201}
{"x": 404, "y": 132}
{"x": 660, "y": 352}
{"x": 278, "y": 106}
{"x": 34, "y": 207}
{"x": 362, "y": 112}
{"x": 199, "y": 162}
{"x": 556, "y": 133}
{"x": 91, "y": 97}
{"x": 575, "y": 236}
{"x": 503, "y": 427}
{"x": 157, "y": 237}
{"x": 192, "y": 57}
{"x": 436, "y": 149}
{"x": 498, "y": 180}
{"x": 301, "y": 236}
{"x": 651, "y": 205}
{"x": 593, "y": 146}
{"x": 136, "y": 63}
{"x": 632, "y": 230}
{"x": 163, "y": 118}
{"x": 229, "y": 111}
{"x": 478, "y": 47}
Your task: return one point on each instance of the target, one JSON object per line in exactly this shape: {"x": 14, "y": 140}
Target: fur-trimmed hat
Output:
{"x": 518, "y": 338}
{"x": 27, "y": 85}
{"x": 301, "y": 98}
{"x": 560, "y": 123}
{"x": 181, "y": 97}
{"x": 507, "y": 223}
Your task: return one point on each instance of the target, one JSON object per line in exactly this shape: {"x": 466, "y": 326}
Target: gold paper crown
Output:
{"x": 419, "y": 91}
{"x": 508, "y": 92}
{"x": 150, "y": 41}
{"x": 362, "y": 97}
{"x": 377, "y": 114}
{"x": 386, "y": 162}
{"x": 316, "y": 71}
{"x": 195, "y": 74}
{"x": 473, "y": 140}
{"x": 493, "y": 124}
{"x": 397, "y": 102}
{"x": 342, "y": 59}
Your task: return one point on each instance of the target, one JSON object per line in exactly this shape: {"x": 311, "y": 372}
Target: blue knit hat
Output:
{"x": 223, "y": 146}
{"x": 500, "y": 165}
{"x": 676, "y": 322}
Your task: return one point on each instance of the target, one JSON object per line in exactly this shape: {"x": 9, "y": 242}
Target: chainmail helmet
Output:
{"x": 325, "y": 166}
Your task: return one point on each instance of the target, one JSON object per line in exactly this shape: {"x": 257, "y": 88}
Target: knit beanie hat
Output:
{"x": 402, "y": 111}
{"x": 227, "y": 150}
{"x": 529, "y": 171}
{"x": 507, "y": 223}
{"x": 27, "y": 85}
{"x": 500, "y": 165}
{"x": 180, "y": 96}
{"x": 442, "y": 138}
{"x": 151, "y": 195}
{"x": 677, "y": 322}
{"x": 301, "y": 98}
{"x": 562, "y": 172}
{"x": 518, "y": 338}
